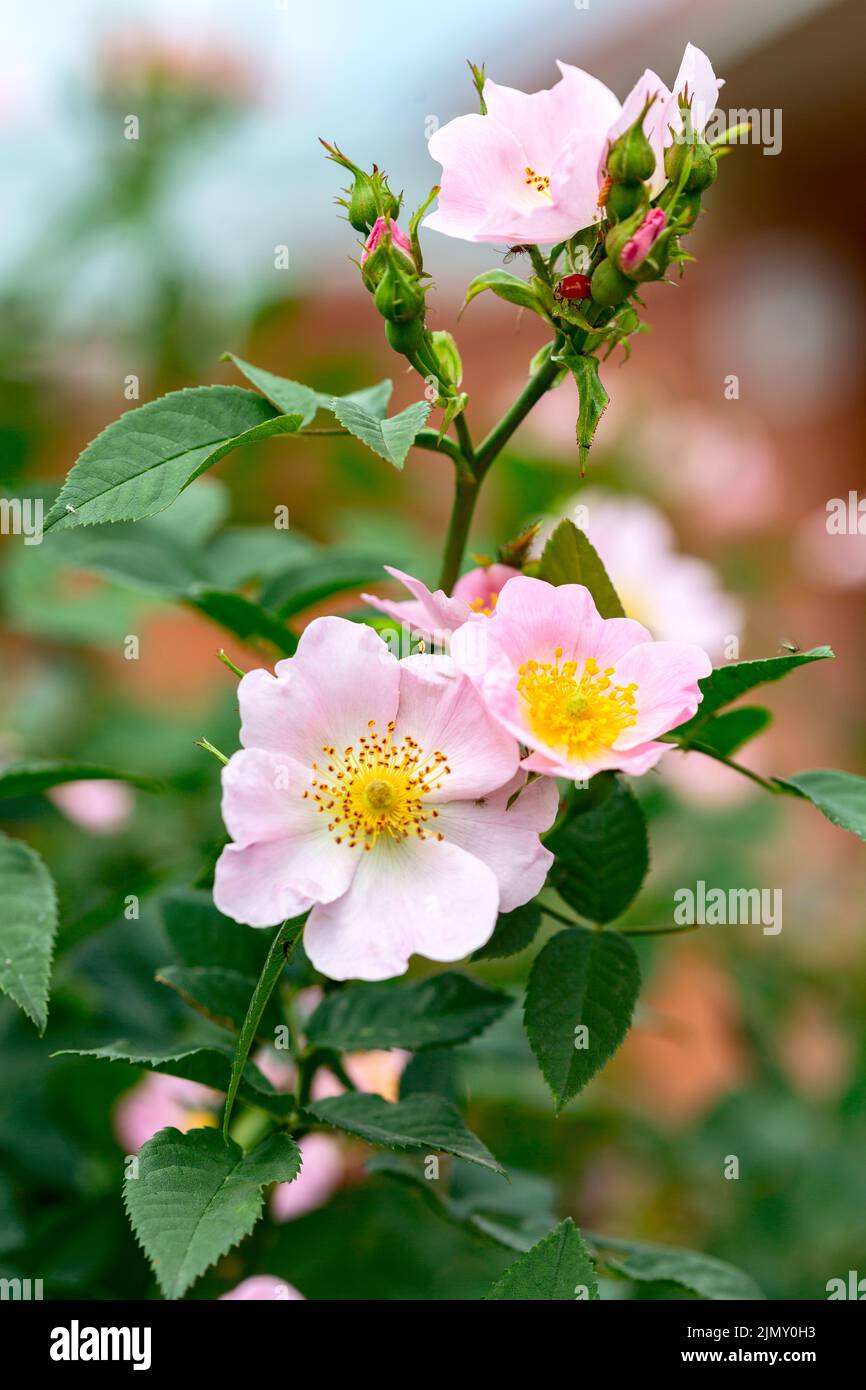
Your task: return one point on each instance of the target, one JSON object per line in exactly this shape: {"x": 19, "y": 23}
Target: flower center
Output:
{"x": 377, "y": 787}
{"x": 485, "y": 606}
{"x": 580, "y": 713}
{"x": 199, "y": 1119}
{"x": 540, "y": 182}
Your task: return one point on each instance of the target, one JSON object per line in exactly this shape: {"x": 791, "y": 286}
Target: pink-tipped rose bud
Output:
{"x": 380, "y": 227}
{"x": 638, "y": 247}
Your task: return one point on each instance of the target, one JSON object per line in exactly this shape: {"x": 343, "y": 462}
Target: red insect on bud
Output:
{"x": 572, "y": 287}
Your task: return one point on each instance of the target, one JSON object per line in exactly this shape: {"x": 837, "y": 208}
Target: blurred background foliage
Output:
{"x": 150, "y": 257}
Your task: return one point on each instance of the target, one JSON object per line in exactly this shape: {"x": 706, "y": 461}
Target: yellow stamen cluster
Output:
{"x": 576, "y": 713}
{"x": 485, "y": 606}
{"x": 540, "y": 182}
{"x": 377, "y": 788}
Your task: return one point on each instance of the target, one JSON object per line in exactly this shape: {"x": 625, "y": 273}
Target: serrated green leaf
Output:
{"x": 840, "y": 796}
{"x": 242, "y": 616}
{"x": 594, "y": 400}
{"x": 703, "y": 1275}
{"x": 210, "y": 1065}
{"x": 291, "y": 397}
{"x": 221, "y": 995}
{"x": 28, "y": 924}
{"x": 28, "y": 778}
{"x": 601, "y": 853}
{"x": 570, "y": 558}
{"x": 727, "y": 683}
{"x": 516, "y": 1214}
{"x": 505, "y": 286}
{"x": 725, "y": 733}
{"x": 302, "y": 586}
{"x": 196, "y": 1195}
{"x": 558, "y": 1267}
{"x": 417, "y": 1124}
{"x": 513, "y": 932}
{"x": 581, "y": 980}
{"x": 443, "y": 1009}
{"x": 201, "y": 935}
{"x": 391, "y": 438}
{"x": 140, "y": 463}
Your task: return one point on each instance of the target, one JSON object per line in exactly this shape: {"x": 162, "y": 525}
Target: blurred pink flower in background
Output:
{"x": 159, "y": 1101}
{"x": 324, "y": 1157}
{"x": 836, "y": 559}
{"x": 677, "y": 597}
{"x": 177, "y": 56}
{"x": 100, "y": 806}
{"x": 263, "y": 1288}
{"x": 701, "y": 781}
{"x": 726, "y": 473}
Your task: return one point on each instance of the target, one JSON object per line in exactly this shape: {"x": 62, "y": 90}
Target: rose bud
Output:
{"x": 609, "y": 285}
{"x": 631, "y": 157}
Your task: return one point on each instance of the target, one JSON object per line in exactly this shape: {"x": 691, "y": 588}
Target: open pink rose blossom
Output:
{"x": 584, "y": 693}
{"x": 678, "y": 597}
{"x": 262, "y": 1288}
{"x": 529, "y": 171}
{"x": 436, "y": 615}
{"x": 375, "y": 792}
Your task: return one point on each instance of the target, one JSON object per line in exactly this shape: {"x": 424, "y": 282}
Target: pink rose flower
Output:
{"x": 435, "y": 615}
{"x": 677, "y": 597}
{"x": 378, "y": 231}
{"x": 98, "y": 805}
{"x": 638, "y": 247}
{"x": 374, "y": 792}
{"x": 664, "y": 118}
{"x": 584, "y": 693}
{"x": 530, "y": 170}
{"x": 262, "y": 1288}
{"x": 159, "y": 1101}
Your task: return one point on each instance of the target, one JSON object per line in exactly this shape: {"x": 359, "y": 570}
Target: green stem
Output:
{"x": 539, "y": 383}
{"x": 466, "y": 446}
{"x": 210, "y": 748}
{"x": 282, "y": 946}
{"x": 735, "y": 767}
{"x": 462, "y": 511}
{"x": 657, "y": 931}
{"x": 476, "y": 463}
{"x": 429, "y": 439}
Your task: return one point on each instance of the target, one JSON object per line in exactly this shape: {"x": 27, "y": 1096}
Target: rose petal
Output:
{"x": 506, "y": 839}
{"x": 417, "y": 896}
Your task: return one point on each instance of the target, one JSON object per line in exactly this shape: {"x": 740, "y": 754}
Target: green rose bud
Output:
{"x": 447, "y": 357}
{"x": 704, "y": 165}
{"x": 610, "y": 286}
{"x": 625, "y": 199}
{"x": 399, "y": 295}
{"x": 631, "y": 158}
